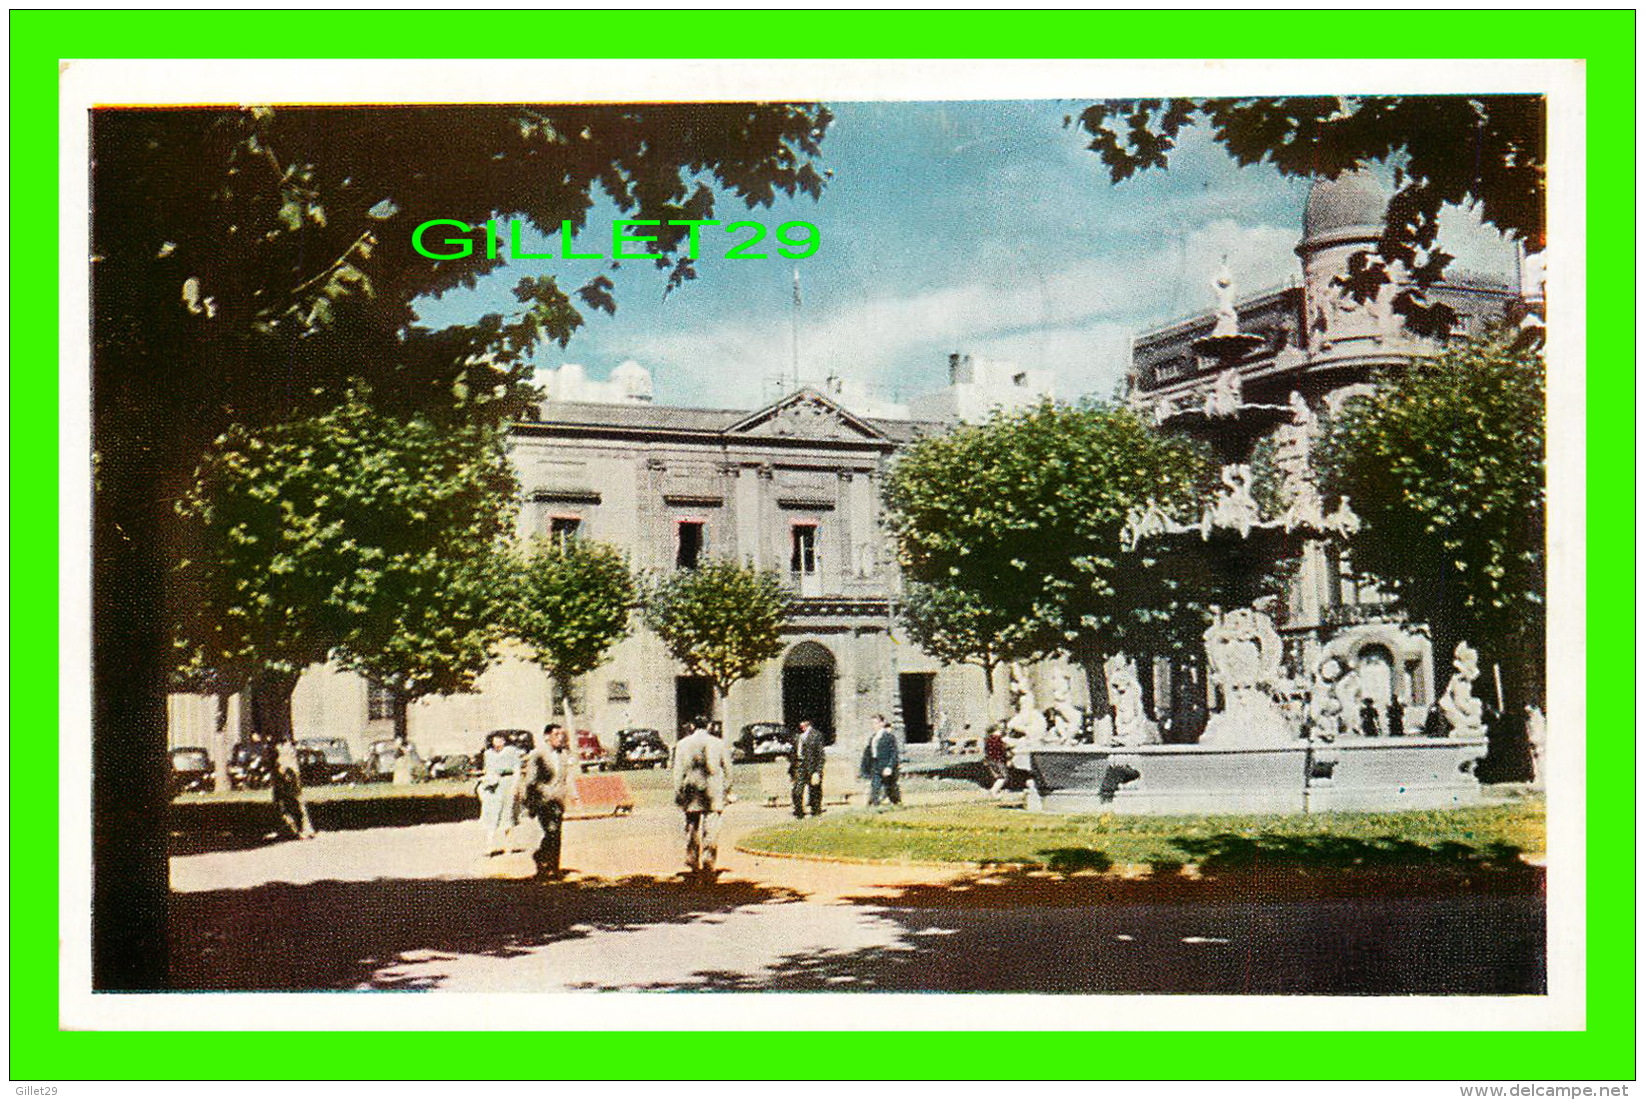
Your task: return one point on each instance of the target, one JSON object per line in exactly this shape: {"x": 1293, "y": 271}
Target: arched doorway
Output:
{"x": 808, "y": 688}
{"x": 1376, "y": 675}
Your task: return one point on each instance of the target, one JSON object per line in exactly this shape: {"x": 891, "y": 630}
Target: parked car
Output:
{"x": 590, "y": 753}
{"x": 454, "y": 765}
{"x": 384, "y": 754}
{"x": 639, "y": 748}
{"x": 334, "y": 763}
{"x": 250, "y": 765}
{"x": 192, "y": 770}
{"x": 763, "y": 741}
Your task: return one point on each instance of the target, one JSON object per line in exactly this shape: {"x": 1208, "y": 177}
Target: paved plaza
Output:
{"x": 419, "y": 908}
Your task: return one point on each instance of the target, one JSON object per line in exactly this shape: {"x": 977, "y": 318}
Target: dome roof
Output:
{"x": 1351, "y": 205}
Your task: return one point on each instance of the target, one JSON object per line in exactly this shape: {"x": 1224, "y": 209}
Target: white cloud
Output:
{"x": 1075, "y": 319}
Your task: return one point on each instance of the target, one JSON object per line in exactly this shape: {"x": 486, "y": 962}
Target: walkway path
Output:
{"x": 419, "y": 908}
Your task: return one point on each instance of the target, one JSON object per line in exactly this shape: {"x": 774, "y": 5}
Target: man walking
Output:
{"x": 805, "y": 769}
{"x": 702, "y": 785}
{"x": 547, "y": 778}
{"x": 881, "y": 763}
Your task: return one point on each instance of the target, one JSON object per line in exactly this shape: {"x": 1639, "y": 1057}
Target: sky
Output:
{"x": 984, "y": 228}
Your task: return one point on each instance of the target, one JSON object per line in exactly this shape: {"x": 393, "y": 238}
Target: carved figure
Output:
{"x": 1141, "y": 523}
{"x": 1343, "y": 521}
{"x": 1227, "y": 323}
{"x": 1464, "y": 713}
{"x": 1236, "y": 508}
{"x": 1226, "y": 395}
{"x": 1242, "y": 652}
{"x": 1066, "y": 719}
{"x": 1027, "y": 723}
{"x": 1131, "y": 722}
{"x": 1325, "y": 705}
{"x": 1536, "y": 734}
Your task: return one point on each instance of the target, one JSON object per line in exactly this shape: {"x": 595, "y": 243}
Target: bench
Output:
{"x": 601, "y": 794}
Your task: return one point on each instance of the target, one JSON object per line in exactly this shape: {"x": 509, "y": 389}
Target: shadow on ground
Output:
{"x": 1234, "y": 934}
{"x": 342, "y": 935}
{"x": 195, "y": 828}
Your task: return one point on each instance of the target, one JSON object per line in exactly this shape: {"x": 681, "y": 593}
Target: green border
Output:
{"x": 1604, "y": 39}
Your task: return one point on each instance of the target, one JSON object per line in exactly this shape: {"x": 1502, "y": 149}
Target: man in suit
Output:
{"x": 547, "y": 787}
{"x": 702, "y": 786}
{"x": 805, "y": 769}
{"x": 882, "y": 763}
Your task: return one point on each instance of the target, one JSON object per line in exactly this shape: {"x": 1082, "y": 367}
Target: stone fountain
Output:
{"x": 1311, "y": 740}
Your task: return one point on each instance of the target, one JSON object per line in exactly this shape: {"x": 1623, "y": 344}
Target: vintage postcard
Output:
{"x": 1096, "y": 540}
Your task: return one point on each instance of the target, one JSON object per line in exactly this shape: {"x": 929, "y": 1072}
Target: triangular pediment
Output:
{"x": 806, "y": 414}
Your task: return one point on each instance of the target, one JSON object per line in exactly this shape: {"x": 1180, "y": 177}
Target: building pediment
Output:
{"x": 806, "y": 414}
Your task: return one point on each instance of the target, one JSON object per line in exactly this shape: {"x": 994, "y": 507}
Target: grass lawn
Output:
{"x": 985, "y": 833}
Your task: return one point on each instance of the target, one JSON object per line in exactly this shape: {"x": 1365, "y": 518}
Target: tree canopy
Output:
{"x": 1019, "y": 520}
{"x": 955, "y": 626}
{"x": 355, "y": 534}
{"x": 252, "y": 261}
{"x": 1486, "y": 150}
{"x": 573, "y": 602}
{"x": 721, "y": 620}
{"x": 1445, "y": 465}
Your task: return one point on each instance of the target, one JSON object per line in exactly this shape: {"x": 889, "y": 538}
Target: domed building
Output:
{"x": 1299, "y": 353}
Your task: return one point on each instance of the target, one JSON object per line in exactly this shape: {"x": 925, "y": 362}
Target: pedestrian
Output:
{"x": 1369, "y": 721}
{"x": 805, "y": 769}
{"x": 287, "y": 784}
{"x": 547, "y": 779}
{"x": 502, "y": 764}
{"x": 702, "y": 786}
{"x": 1396, "y": 718}
{"x": 996, "y": 756}
{"x": 881, "y": 761}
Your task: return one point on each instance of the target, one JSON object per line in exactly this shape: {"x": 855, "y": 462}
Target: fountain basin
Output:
{"x": 1357, "y": 774}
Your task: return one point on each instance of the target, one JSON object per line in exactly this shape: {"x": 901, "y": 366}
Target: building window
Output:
{"x": 690, "y": 544}
{"x": 379, "y": 703}
{"x": 562, "y": 529}
{"x": 803, "y": 558}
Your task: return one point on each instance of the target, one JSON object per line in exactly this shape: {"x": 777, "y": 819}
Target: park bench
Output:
{"x": 601, "y": 794}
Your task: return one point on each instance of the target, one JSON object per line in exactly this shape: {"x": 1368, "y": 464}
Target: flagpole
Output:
{"x": 795, "y": 363}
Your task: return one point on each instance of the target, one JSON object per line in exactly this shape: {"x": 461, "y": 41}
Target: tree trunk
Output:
{"x": 270, "y": 699}
{"x": 1096, "y": 681}
{"x": 130, "y": 769}
{"x": 398, "y": 706}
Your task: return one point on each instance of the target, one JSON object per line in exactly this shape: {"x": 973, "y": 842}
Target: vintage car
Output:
{"x": 590, "y": 753}
{"x": 250, "y": 765}
{"x": 192, "y": 770}
{"x": 763, "y": 741}
{"x": 639, "y": 748}
{"x": 330, "y": 761}
{"x": 382, "y": 757}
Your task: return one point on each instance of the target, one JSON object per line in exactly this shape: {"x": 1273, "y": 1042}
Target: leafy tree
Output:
{"x": 574, "y": 602}
{"x": 1019, "y": 519}
{"x": 955, "y": 626}
{"x": 1444, "y": 463}
{"x": 249, "y": 264}
{"x": 352, "y": 534}
{"x": 720, "y": 620}
{"x": 1489, "y": 150}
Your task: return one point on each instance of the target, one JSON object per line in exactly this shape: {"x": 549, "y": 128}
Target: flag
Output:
{"x": 796, "y": 288}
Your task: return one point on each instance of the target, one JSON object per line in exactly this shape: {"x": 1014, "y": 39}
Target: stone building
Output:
{"x": 793, "y": 487}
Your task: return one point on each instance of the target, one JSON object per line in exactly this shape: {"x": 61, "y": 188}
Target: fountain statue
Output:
{"x": 1132, "y": 725}
{"x": 1243, "y": 652}
{"x": 1026, "y": 722}
{"x": 1067, "y": 720}
{"x": 1464, "y": 713}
